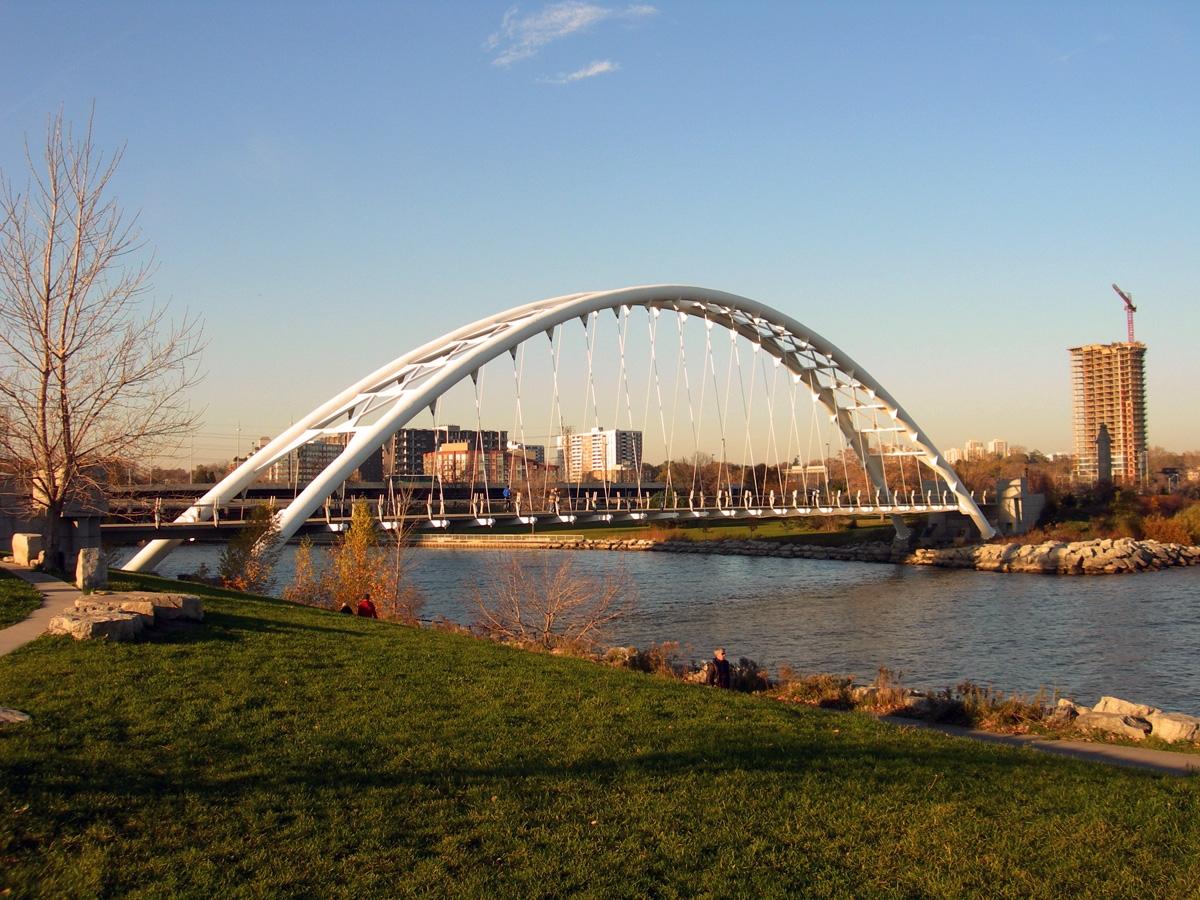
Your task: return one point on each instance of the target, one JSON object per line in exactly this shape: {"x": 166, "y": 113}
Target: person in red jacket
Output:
{"x": 367, "y": 608}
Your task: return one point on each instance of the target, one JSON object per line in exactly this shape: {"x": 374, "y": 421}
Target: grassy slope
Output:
{"x": 17, "y": 599}
{"x": 280, "y": 749}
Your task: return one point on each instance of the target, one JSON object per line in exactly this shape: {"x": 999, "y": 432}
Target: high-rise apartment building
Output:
{"x": 610, "y": 454}
{"x": 998, "y": 447}
{"x": 974, "y": 450}
{"x": 1108, "y": 387}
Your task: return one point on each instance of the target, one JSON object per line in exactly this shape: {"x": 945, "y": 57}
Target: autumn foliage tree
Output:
{"x": 88, "y": 372}
{"x": 361, "y": 561}
{"x": 249, "y": 557}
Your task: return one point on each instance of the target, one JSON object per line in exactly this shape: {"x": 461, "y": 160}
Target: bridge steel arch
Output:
{"x": 376, "y": 407}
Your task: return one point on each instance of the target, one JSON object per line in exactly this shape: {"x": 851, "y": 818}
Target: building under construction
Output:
{"x": 1108, "y": 388}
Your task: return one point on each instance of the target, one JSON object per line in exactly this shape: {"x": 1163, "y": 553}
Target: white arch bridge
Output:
{"x": 896, "y": 468}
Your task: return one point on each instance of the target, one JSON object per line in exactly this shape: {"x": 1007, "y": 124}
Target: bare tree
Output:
{"x": 88, "y": 373}
{"x": 534, "y": 602}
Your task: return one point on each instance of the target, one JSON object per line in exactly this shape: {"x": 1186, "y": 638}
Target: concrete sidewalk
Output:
{"x": 56, "y": 595}
{"x": 1164, "y": 761}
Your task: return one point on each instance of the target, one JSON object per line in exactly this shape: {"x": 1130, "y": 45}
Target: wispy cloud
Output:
{"x": 600, "y": 67}
{"x": 1098, "y": 40}
{"x": 521, "y": 36}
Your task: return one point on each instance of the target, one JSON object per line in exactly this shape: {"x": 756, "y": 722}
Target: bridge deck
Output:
{"x": 129, "y": 532}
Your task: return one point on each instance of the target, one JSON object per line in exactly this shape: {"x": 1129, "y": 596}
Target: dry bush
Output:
{"x": 249, "y": 557}
{"x": 534, "y": 602}
{"x": 660, "y": 532}
{"x": 829, "y": 691}
{"x": 657, "y": 659}
{"x": 1166, "y": 531}
{"x": 994, "y": 710}
{"x": 305, "y": 586}
{"x": 361, "y": 561}
{"x": 1190, "y": 519}
{"x": 885, "y": 694}
{"x": 748, "y": 676}
{"x": 449, "y": 626}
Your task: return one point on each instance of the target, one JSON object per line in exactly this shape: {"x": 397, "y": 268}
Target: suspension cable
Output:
{"x": 519, "y": 375}
{"x": 637, "y": 461}
{"x": 477, "y": 377}
{"x": 724, "y": 469}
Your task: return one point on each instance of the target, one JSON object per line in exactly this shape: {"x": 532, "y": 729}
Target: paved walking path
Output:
{"x": 55, "y": 596}
{"x": 1164, "y": 761}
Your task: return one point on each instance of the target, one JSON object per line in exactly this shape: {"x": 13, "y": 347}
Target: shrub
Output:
{"x": 657, "y": 659}
{"x": 532, "y": 602}
{"x": 249, "y": 557}
{"x": 885, "y": 694}
{"x": 829, "y": 691}
{"x": 306, "y": 583}
{"x": 360, "y": 562}
{"x": 748, "y": 676}
{"x": 1167, "y": 531}
{"x": 1190, "y": 519}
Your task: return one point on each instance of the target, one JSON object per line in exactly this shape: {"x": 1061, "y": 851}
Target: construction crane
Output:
{"x": 1130, "y": 309}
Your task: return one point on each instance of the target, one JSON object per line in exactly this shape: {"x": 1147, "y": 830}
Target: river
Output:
{"x": 1133, "y": 636}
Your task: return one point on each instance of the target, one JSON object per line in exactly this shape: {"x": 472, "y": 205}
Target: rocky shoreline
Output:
{"x": 1110, "y": 556}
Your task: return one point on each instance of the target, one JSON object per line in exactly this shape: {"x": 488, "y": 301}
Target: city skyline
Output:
{"x": 944, "y": 192}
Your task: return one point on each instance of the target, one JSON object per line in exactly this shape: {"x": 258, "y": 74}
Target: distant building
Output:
{"x": 309, "y": 460}
{"x": 459, "y": 462}
{"x": 954, "y": 455}
{"x": 609, "y": 454}
{"x": 533, "y": 452}
{"x": 998, "y": 447}
{"x": 974, "y": 450}
{"x": 1108, "y": 388}
{"x": 408, "y": 447}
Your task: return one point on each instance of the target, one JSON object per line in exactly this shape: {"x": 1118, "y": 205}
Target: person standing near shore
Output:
{"x": 718, "y": 669}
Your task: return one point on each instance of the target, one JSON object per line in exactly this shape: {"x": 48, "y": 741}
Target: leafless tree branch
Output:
{"x": 87, "y": 374}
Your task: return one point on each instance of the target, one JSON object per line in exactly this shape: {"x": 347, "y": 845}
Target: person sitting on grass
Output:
{"x": 345, "y": 609}
{"x": 367, "y": 608}
{"x": 718, "y": 669}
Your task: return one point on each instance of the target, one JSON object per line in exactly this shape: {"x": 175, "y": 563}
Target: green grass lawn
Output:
{"x": 280, "y": 750}
{"x": 17, "y": 599}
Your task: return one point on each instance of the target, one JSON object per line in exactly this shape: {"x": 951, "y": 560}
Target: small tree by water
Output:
{"x": 534, "y": 601}
{"x": 363, "y": 560}
{"x": 249, "y": 557}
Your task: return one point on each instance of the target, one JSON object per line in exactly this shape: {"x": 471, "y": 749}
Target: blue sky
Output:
{"x": 946, "y": 190}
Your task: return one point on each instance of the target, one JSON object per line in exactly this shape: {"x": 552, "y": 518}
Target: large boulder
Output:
{"x": 165, "y": 606}
{"x": 91, "y": 571}
{"x": 1172, "y": 727}
{"x": 1066, "y": 711}
{"x": 1114, "y": 723}
{"x": 92, "y": 624}
{"x": 116, "y": 603}
{"x": 1124, "y": 708}
{"x": 27, "y": 549}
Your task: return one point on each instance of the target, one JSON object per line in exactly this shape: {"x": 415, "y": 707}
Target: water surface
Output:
{"x": 1133, "y": 636}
